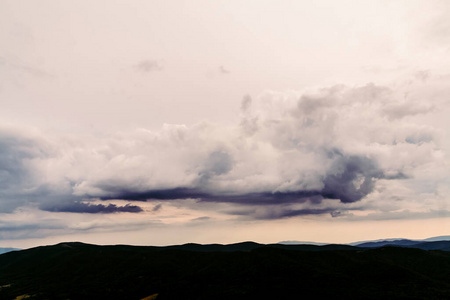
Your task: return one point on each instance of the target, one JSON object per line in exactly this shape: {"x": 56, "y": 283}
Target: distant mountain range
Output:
{"x": 365, "y": 244}
{"x": 402, "y": 240}
{"x": 433, "y": 243}
{"x": 244, "y": 270}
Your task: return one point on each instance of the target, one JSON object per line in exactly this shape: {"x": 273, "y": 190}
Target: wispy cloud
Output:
{"x": 147, "y": 66}
{"x": 223, "y": 70}
{"x": 24, "y": 68}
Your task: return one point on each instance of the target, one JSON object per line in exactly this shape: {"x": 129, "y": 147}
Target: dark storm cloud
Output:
{"x": 260, "y": 198}
{"x": 82, "y": 207}
{"x": 349, "y": 179}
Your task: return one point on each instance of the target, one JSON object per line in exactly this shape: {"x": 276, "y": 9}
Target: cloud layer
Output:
{"x": 289, "y": 153}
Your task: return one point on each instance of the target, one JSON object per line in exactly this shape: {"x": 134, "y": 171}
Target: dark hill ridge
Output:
{"x": 238, "y": 271}
{"x": 249, "y": 246}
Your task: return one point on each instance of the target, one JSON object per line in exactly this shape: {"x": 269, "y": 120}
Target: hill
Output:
{"x": 238, "y": 271}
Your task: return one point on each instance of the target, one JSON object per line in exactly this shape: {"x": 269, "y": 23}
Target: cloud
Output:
{"x": 149, "y": 65}
{"x": 81, "y": 207}
{"x": 24, "y": 230}
{"x": 31, "y": 223}
{"x": 246, "y": 103}
{"x": 222, "y": 70}
{"x": 157, "y": 207}
{"x": 349, "y": 179}
{"x": 262, "y": 198}
{"x": 403, "y": 214}
{"x": 217, "y": 72}
{"x": 290, "y": 155}
{"x": 200, "y": 219}
{"x": 269, "y": 214}
{"x": 22, "y": 68}
{"x": 17, "y": 149}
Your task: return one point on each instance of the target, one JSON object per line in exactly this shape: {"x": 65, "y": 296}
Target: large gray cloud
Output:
{"x": 349, "y": 179}
{"x": 289, "y": 149}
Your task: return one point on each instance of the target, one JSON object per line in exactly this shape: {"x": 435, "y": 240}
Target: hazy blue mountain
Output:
{"x": 400, "y": 242}
{"x": 373, "y": 241}
{"x": 301, "y": 243}
{"x": 5, "y": 250}
{"x": 433, "y": 243}
{"x": 438, "y": 238}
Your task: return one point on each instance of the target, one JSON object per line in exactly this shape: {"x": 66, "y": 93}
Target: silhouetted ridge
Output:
{"x": 237, "y": 271}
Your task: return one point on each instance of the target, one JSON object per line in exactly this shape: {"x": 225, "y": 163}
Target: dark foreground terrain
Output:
{"x": 238, "y": 271}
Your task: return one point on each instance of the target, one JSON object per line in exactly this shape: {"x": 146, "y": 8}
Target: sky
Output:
{"x": 168, "y": 122}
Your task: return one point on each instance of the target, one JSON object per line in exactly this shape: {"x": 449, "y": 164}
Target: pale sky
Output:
{"x": 167, "y": 122}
